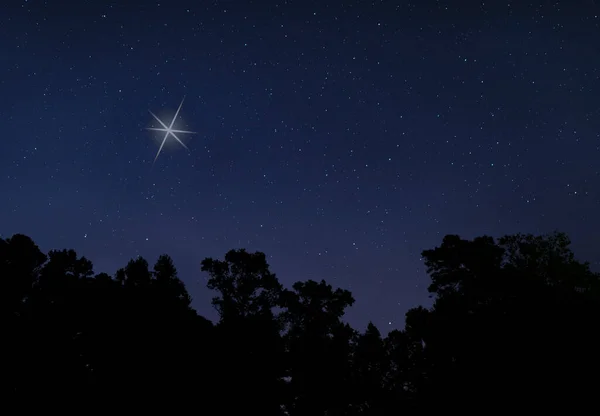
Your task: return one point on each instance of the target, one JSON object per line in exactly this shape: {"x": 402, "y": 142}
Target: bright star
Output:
{"x": 169, "y": 130}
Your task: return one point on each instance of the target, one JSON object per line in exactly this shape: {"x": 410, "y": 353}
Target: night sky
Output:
{"x": 340, "y": 138}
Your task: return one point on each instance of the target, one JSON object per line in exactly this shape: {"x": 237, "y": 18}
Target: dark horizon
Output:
{"x": 501, "y": 306}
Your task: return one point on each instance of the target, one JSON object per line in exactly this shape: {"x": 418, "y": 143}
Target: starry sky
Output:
{"x": 340, "y": 138}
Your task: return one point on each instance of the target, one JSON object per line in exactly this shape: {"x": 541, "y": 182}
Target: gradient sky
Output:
{"x": 340, "y": 138}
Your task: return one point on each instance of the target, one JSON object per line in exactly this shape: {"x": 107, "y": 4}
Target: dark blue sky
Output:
{"x": 340, "y": 138}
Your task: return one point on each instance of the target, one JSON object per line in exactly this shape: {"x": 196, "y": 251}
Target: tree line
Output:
{"x": 513, "y": 324}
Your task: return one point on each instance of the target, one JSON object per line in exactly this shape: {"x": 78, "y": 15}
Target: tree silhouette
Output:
{"x": 20, "y": 264}
{"x": 318, "y": 346}
{"x": 168, "y": 284}
{"x": 250, "y": 344}
{"x": 245, "y": 284}
{"x": 513, "y": 324}
{"x": 505, "y": 311}
{"x": 371, "y": 366}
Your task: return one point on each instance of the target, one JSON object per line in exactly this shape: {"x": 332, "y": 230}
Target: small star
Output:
{"x": 169, "y": 130}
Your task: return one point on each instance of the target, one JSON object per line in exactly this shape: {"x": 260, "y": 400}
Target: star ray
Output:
{"x": 160, "y": 148}
{"x": 176, "y": 113}
{"x": 174, "y": 131}
{"x": 168, "y": 130}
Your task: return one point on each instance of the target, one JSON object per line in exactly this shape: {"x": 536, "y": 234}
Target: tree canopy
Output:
{"x": 513, "y": 324}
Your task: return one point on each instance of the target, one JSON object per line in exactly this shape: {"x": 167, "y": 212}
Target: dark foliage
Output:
{"x": 513, "y": 326}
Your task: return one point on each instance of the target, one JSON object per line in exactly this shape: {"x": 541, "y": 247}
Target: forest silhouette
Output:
{"x": 513, "y": 324}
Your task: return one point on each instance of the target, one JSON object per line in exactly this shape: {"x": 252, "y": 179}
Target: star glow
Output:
{"x": 169, "y": 131}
